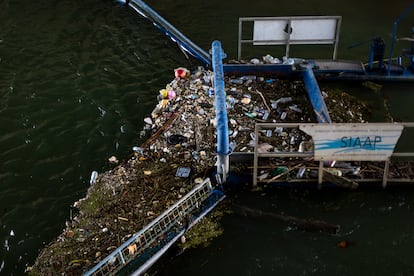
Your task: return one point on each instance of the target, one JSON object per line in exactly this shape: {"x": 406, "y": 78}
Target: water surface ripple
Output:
{"x": 78, "y": 77}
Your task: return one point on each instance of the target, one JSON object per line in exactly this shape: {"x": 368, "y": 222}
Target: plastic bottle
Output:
{"x": 94, "y": 176}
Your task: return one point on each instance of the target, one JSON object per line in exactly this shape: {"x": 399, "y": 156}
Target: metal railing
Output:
{"x": 161, "y": 233}
{"x": 279, "y": 31}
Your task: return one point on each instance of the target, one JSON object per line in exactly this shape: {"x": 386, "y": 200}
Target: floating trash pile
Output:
{"x": 186, "y": 108}
{"x": 178, "y": 152}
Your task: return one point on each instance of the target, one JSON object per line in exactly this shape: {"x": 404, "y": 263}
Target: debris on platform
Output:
{"x": 180, "y": 147}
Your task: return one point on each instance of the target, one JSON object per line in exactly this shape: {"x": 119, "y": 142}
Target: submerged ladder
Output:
{"x": 145, "y": 247}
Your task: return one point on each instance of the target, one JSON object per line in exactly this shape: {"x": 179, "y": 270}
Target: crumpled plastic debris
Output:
{"x": 183, "y": 123}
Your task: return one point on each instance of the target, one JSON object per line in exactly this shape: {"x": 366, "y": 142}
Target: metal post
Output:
{"x": 240, "y": 39}
{"x": 386, "y": 171}
{"x": 255, "y": 160}
{"x": 338, "y": 28}
{"x": 320, "y": 175}
{"x": 289, "y": 27}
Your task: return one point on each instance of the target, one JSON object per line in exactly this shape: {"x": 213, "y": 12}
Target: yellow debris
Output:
{"x": 132, "y": 249}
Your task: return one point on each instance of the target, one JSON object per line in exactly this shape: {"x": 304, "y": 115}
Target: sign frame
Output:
{"x": 353, "y": 141}
{"x": 292, "y": 30}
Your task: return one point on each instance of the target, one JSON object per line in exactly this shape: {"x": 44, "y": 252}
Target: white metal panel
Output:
{"x": 270, "y": 32}
{"x": 315, "y": 31}
{"x": 311, "y": 30}
{"x": 354, "y": 142}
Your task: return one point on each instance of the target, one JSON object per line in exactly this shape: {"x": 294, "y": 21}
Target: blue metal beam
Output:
{"x": 168, "y": 29}
{"x": 315, "y": 96}
{"x": 223, "y": 148}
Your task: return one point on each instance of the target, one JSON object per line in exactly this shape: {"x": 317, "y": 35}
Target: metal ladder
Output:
{"x": 147, "y": 245}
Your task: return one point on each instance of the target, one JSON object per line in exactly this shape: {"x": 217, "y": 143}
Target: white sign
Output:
{"x": 354, "y": 142}
{"x": 303, "y": 30}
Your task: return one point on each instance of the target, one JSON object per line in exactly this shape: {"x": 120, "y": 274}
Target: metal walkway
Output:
{"x": 145, "y": 247}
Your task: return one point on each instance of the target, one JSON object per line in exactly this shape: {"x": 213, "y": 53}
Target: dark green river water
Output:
{"x": 78, "y": 77}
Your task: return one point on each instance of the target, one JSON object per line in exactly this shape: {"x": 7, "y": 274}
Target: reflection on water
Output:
{"x": 373, "y": 223}
{"x": 75, "y": 83}
{"x": 78, "y": 77}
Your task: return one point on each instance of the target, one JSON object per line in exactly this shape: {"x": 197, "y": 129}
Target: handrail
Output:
{"x": 174, "y": 217}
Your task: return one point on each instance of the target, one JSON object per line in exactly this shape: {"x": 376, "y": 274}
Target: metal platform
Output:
{"x": 338, "y": 66}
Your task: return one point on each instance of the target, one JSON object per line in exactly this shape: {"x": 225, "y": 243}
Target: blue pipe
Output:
{"x": 315, "y": 96}
{"x": 223, "y": 148}
{"x": 168, "y": 29}
{"x": 394, "y": 34}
